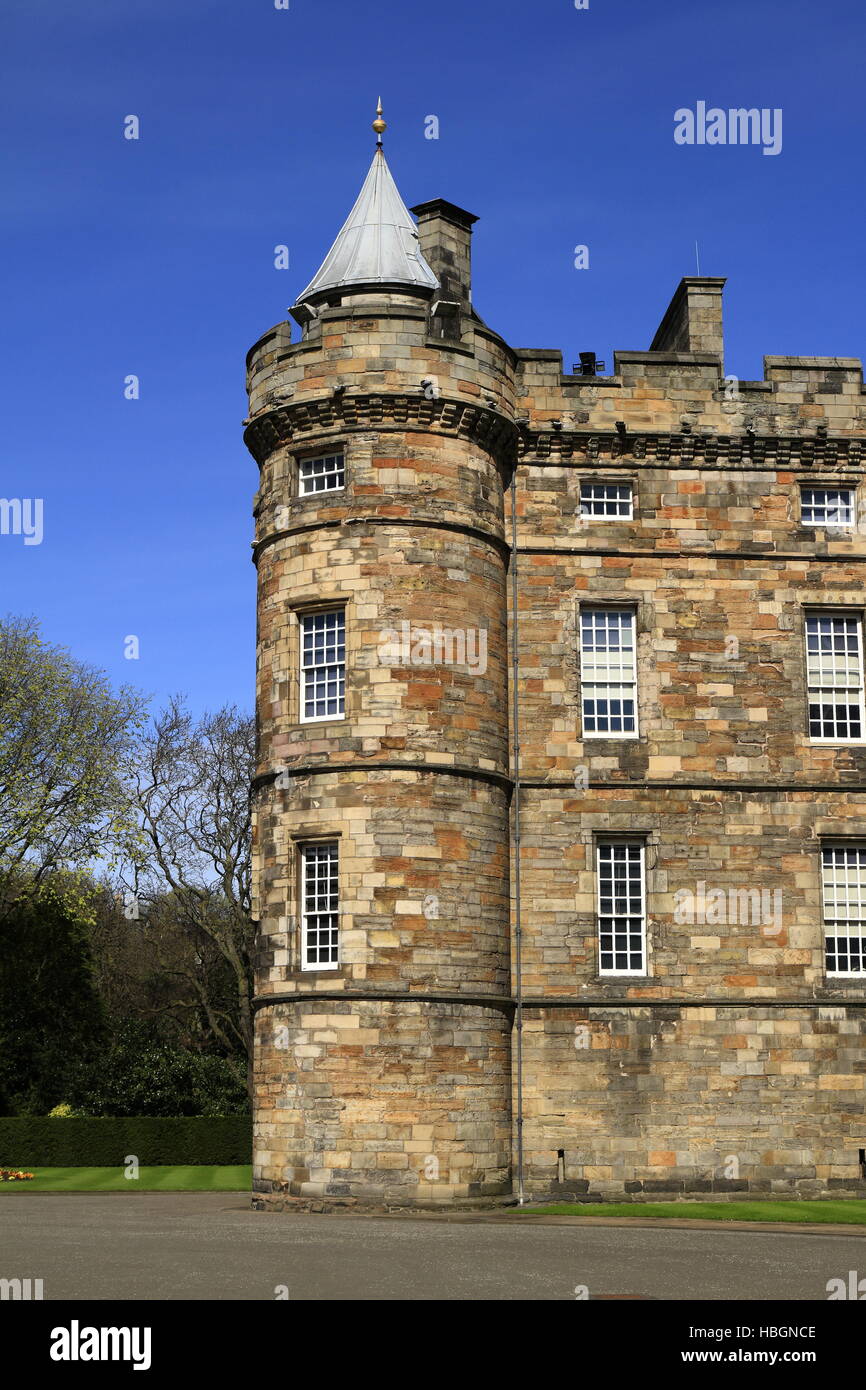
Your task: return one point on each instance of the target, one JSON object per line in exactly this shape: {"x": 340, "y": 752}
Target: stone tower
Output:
{"x": 384, "y": 438}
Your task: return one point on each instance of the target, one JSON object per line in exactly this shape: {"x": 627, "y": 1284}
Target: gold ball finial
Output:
{"x": 379, "y": 125}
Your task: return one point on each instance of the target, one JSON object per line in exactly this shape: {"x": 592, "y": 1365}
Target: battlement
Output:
{"x": 680, "y": 380}
{"x": 390, "y": 341}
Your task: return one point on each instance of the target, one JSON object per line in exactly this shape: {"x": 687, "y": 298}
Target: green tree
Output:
{"x": 50, "y": 1013}
{"x": 66, "y": 749}
{"x": 139, "y": 1073}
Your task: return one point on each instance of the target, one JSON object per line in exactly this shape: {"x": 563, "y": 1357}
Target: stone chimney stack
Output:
{"x": 693, "y": 322}
{"x": 445, "y": 233}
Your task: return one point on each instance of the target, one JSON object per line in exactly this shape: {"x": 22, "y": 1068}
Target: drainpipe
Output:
{"x": 518, "y": 942}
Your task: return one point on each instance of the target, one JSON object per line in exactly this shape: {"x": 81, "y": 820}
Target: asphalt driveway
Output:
{"x": 212, "y": 1246}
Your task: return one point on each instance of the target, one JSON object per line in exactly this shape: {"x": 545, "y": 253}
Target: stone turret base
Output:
{"x": 706, "y": 1190}
{"x": 281, "y": 1201}
{"x": 698, "y": 1190}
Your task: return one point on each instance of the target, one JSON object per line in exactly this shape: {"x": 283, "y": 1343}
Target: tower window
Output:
{"x": 834, "y": 659}
{"x": 320, "y": 906}
{"x": 323, "y": 474}
{"x": 608, "y": 672}
{"x": 827, "y": 506}
{"x": 844, "y": 891}
{"x": 621, "y": 908}
{"x": 606, "y": 499}
{"x": 323, "y": 665}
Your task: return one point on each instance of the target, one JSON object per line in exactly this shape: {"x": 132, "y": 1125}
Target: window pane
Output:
{"x": 608, "y": 671}
{"x": 822, "y": 506}
{"x": 606, "y": 499}
{"x": 320, "y": 930}
{"x": 835, "y": 676}
{"x": 621, "y": 909}
{"x": 844, "y": 891}
{"x": 322, "y": 474}
{"x": 323, "y": 664}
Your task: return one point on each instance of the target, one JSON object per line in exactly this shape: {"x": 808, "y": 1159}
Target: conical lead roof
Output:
{"x": 377, "y": 244}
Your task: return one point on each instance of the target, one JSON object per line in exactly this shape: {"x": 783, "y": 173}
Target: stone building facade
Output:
{"x": 560, "y": 848}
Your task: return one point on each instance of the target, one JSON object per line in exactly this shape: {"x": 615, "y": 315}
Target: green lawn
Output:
{"x": 169, "y": 1179}
{"x": 850, "y": 1213}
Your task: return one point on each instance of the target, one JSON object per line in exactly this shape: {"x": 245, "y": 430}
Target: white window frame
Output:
{"x": 318, "y": 920}
{"x": 828, "y": 490}
{"x": 325, "y": 474}
{"x": 603, "y": 483}
{"x": 310, "y": 671}
{"x": 856, "y": 693}
{"x": 622, "y": 689}
{"x": 833, "y": 920}
{"x": 605, "y": 921}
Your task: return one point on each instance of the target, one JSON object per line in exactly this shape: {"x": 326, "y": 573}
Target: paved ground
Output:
{"x": 212, "y": 1246}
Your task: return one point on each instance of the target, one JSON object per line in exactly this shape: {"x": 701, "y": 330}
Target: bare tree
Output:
{"x": 191, "y": 876}
{"x": 142, "y": 965}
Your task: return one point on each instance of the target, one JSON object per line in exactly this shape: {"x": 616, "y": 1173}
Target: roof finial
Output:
{"x": 379, "y": 125}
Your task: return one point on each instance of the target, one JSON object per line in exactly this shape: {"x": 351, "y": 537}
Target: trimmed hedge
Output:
{"x": 105, "y": 1141}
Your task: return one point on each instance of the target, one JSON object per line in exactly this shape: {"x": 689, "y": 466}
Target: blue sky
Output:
{"x": 156, "y": 257}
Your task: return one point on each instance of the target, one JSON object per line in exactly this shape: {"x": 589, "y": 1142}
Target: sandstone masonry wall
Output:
{"x": 735, "y": 1065}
